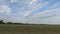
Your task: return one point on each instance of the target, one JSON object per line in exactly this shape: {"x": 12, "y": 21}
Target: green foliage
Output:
{"x": 12, "y": 23}
{"x": 9, "y": 23}
{"x": 1, "y": 22}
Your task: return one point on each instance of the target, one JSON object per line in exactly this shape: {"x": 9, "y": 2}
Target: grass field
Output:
{"x": 29, "y": 29}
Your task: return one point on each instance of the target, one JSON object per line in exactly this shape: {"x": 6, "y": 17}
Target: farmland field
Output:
{"x": 29, "y": 29}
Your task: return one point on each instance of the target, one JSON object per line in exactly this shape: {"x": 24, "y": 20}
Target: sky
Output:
{"x": 30, "y": 11}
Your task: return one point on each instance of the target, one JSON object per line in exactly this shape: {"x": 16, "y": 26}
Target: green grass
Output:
{"x": 29, "y": 29}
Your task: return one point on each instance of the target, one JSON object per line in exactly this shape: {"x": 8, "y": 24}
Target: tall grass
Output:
{"x": 29, "y": 29}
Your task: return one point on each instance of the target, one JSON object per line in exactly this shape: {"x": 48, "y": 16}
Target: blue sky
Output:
{"x": 30, "y": 11}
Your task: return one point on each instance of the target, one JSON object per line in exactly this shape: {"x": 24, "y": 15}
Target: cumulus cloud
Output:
{"x": 33, "y": 2}
{"x": 4, "y": 9}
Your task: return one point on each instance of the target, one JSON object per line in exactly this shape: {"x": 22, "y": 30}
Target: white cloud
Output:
{"x": 51, "y": 20}
{"x": 4, "y": 9}
{"x": 27, "y": 13}
{"x": 26, "y": 7}
{"x": 35, "y": 8}
{"x": 12, "y": 1}
{"x": 30, "y": 6}
{"x": 41, "y": 17}
{"x": 51, "y": 12}
{"x": 33, "y": 2}
{"x": 39, "y": 6}
{"x": 47, "y": 13}
{"x": 1, "y": 17}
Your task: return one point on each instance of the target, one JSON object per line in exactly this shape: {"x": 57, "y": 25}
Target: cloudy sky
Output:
{"x": 30, "y": 11}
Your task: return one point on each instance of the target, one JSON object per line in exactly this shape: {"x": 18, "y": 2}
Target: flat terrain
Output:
{"x": 29, "y": 29}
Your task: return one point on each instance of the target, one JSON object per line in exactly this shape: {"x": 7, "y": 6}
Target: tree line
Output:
{"x": 1, "y": 22}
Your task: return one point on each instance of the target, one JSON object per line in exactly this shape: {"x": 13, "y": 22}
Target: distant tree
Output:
{"x": 1, "y": 22}
{"x": 12, "y": 23}
{"x": 9, "y": 23}
{"x": 17, "y": 23}
{"x": 27, "y": 23}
